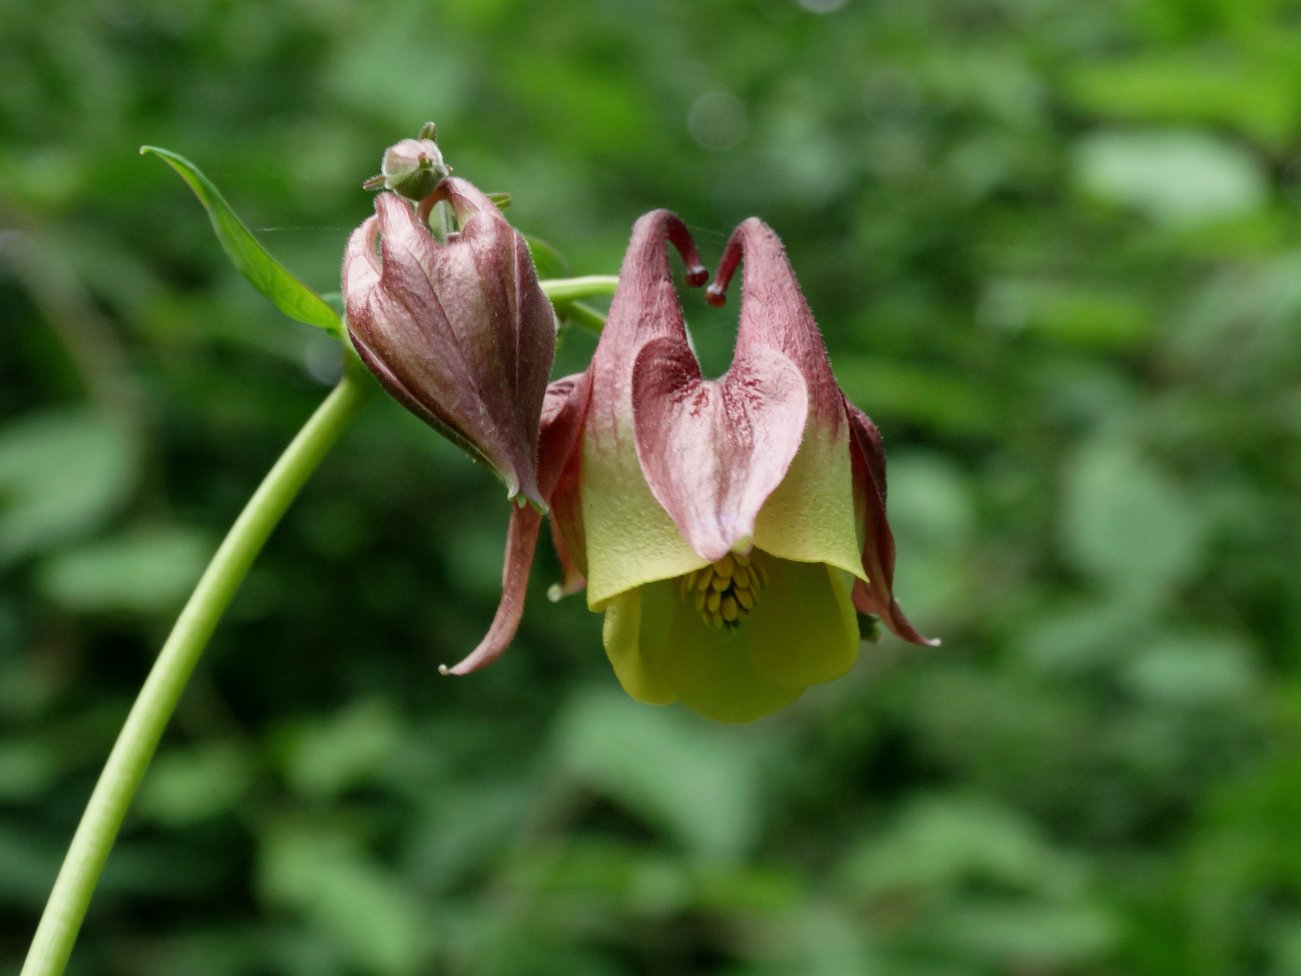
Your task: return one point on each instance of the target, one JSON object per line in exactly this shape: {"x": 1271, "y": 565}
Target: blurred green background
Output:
{"x": 1055, "y": 248}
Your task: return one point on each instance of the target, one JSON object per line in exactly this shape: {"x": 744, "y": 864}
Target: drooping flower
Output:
{"x": 729, "y": 529}
{"x": 459, "y": 331}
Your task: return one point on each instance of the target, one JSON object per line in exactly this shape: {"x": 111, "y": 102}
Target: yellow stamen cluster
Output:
{"x": 725, "y": 592}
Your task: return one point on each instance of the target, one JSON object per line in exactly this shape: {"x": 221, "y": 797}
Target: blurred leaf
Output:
{"x": 1190, "y": 86}
{"x": 27, "y": 766}
{"x": 29, "y": 868}
{"x": 325, "y": 757}
{"x": 213, "y": 949}
{"x": 684, "y": 775}
{"x": 1241, "y": 330}
{"x": 254, "y": 262}
{"x": 1194, "y": 671}
{"x": 1082, "y": 636}
{"x": 929, "y": 397}
{"x": 1127, "y": 522}
{"x": 942, "y": 842}
{"x": 1086, "y": 315}
{"x": 932, "y": 512}
{"x": 460, "y": 830}
{"x": 1177, "y": 178}
{"x": 346, "y": 897}
{"x": 61, "y": 474}
{"x": 547, "y": 259}
{"x": 1020, "y": 936}
{"x": 1287, "y": 960}
{"x": 193, "y": 784}
{"x": 932, "y": 495}
{"x": 601, "y": 875}
{"x": 143, "y": 570}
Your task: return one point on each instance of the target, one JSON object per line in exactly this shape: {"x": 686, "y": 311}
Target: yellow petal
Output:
{"x": 810, "y": 517}
{"x": 801, "y": 631}
{"x": 635, "y": 637}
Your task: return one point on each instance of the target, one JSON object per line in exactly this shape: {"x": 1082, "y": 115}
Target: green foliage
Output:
{"x": 1056, "y": 251}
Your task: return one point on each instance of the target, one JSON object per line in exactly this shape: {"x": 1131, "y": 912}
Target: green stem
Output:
{"x": 162, "y": 690}
{"x": 562, "y": 290}
{"x": 583, "y": 315}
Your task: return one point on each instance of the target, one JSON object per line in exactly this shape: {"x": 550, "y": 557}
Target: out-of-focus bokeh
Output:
{"x": 1055, "y": 248}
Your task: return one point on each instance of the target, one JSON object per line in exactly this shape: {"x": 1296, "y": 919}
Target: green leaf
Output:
{"x": 1178, "y": 178}
{"x": 193, "y": 784}
{"x": 254, "y": 262}
{"x": 1201, "y": 86}
{"x": 62, "y": 473}
{"x": 699, "y": 787}
{"x": 1194, "y": 670}
{"x": 145, "y": 570}
{"x": 325, "y": 758}
{"x": 1128, "y": 522}
{"x": 346, "y": 897}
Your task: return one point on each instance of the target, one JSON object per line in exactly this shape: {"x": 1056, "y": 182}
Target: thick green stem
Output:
{"x": 162, "y": 689}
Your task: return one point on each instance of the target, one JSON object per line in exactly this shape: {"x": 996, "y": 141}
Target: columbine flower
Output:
{"x": 459, "y": 332}
{"x": 728, "y": 528}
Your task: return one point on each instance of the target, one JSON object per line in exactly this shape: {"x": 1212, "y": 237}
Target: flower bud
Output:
{"x": 460, "y": 331}
{"x": 412, "y": 168}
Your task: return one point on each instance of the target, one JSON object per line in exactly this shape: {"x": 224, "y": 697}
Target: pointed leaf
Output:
{"x": 254, "y": 262}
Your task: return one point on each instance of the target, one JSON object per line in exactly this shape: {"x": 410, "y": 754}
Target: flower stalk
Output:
{"x": 153, "y": 708}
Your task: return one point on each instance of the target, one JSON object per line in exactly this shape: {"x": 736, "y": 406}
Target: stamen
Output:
{"x": 725, "y": 592}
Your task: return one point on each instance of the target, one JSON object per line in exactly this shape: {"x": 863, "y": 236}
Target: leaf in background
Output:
{"x": 933, "y": 398}
{"x": 61, "y": 474}
{"x": 192, "y": 784}
{"x": 943, "y": 842}
{"x": 1194, "y": 670}
{"x": 1178, "y": 178}
{"x": 1022, "y": 936}
{"x": 1084, "y": 314}
{"x": 372, "y": 919}
{"x": 254, "y": 262}
{"x": 1127, "y": 522}
{"x": 548, "y": 261}
{"x": 684, "y": 775}
{"x": 348, "y": 748}
{"x": 1198, "y": 86}
{"x": 145, "y": 570}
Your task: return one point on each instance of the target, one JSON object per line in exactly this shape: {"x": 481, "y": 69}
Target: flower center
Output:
{"x": 725, "y": 592}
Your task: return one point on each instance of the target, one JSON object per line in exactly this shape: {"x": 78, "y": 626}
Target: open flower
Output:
{"x": 729, "y": 529}
{"x": 458, "y": 331}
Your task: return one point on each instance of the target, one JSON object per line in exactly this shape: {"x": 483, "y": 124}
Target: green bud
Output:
{"x": 412, "y": 168}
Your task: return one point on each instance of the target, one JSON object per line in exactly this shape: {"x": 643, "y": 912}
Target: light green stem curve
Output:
{"x": 162, "y": 690}
{"x": 563, "y": 290}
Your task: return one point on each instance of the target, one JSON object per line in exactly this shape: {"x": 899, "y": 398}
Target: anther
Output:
{"x": 725, "y": 592}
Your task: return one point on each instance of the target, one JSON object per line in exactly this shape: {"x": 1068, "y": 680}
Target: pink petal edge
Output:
{"x": 521, "y": 540}
{"x": 712, "y": 451}
{"x": 562, "y": 416}
{"x": 875, "y": 596}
